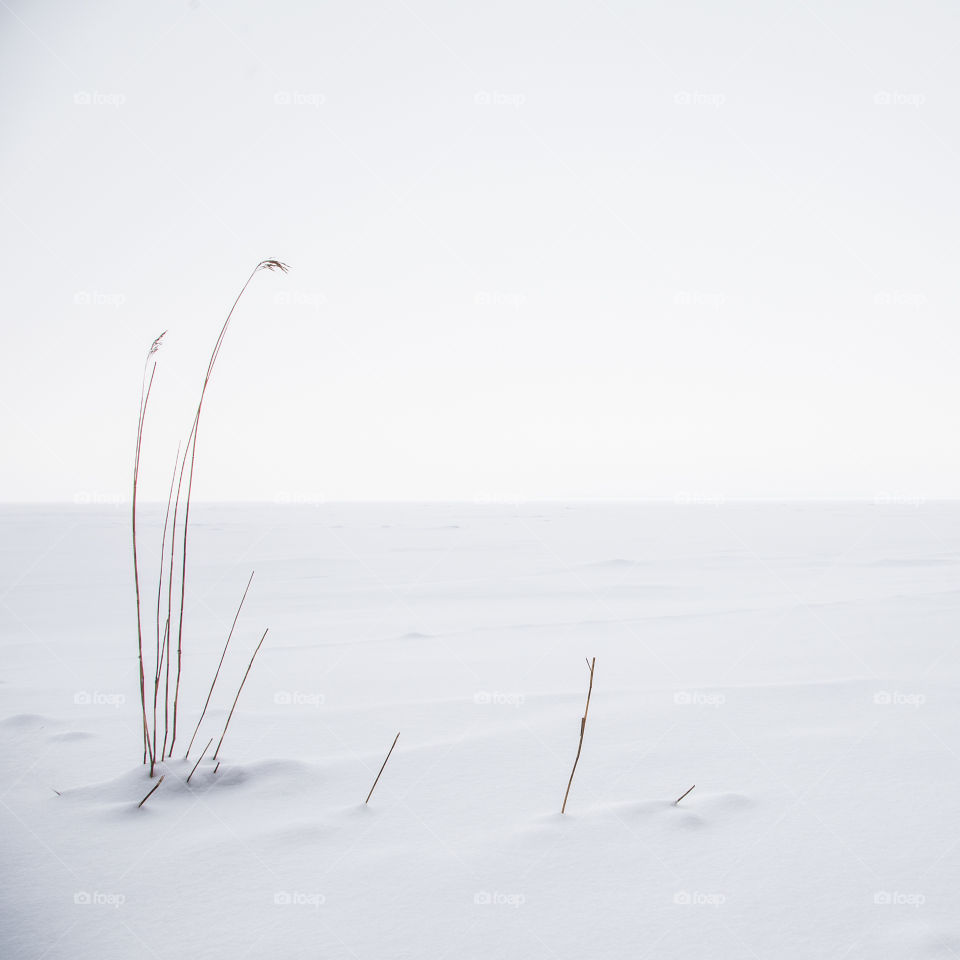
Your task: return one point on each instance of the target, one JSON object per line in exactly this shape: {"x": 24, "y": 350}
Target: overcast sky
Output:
{"x": 596, "y": 249}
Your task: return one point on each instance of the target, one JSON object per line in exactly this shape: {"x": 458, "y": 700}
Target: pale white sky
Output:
{"x": 594, "y": 249}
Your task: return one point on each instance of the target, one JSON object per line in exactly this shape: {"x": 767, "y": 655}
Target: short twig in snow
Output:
{"x": 583, "y": 725}
{"x": 150, "y": 794}
{"x": 395, "y": 739}
{"x": 197, "y": 764}
{"x": 682, "y": 795}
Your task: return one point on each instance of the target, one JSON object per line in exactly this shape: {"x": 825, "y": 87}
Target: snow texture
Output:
{"x": 797, "y": 662}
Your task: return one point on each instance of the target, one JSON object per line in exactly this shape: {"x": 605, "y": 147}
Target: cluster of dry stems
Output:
{"x": 170, "y": 605}
{"x": 169, "y": 619}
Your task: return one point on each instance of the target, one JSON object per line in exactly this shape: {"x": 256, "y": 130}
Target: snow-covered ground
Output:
{"x": 797, "y": 662}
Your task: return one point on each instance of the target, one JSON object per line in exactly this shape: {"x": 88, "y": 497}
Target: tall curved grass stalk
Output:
{"x": 145, "y": 387}
{"x": 173, "y": 555}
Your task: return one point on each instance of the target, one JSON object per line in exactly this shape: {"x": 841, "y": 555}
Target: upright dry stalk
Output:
{"x": 203, "y": 712}
{"x": 192, "y": 448}
{"x": 160, "y": 648}
{"x": 237, "y": 697}
{"x": 375, "y": 782}
{"x": 169, "y": 627}
{"x": 136, "y": 565}
{"x": 145, "y": 388}
{"x": 583, "y": 725}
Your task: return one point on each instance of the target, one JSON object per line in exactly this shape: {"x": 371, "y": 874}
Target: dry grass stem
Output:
{"x": 583, "y": 726}
{"x": 237, "y": 697}
{"x": 375, "y": 782}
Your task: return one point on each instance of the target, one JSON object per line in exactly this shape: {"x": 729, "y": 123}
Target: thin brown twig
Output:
{"x": 682, "y": 795}
{"x": 213, "y": 682}
{"x": 375, "y": 782}
{"x": 197, "y": 764}
{"x": 156, "y": 786}
{"x": 237, "y": 697}
{"x": 583, "y": 725}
